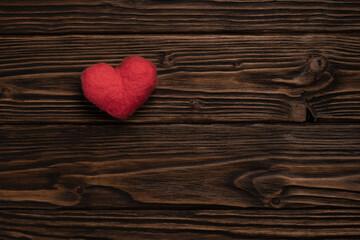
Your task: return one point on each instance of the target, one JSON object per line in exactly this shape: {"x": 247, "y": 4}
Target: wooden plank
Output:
{"x": 116, "y": 166}
{"x": 157, "y": 16}
{"x": 184, "y": 224}
{"x": 211, "y": 78}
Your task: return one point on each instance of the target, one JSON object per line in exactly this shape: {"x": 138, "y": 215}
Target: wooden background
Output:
{"x": 252, "y": 133}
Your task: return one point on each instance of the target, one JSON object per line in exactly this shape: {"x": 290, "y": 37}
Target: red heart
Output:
{"x": 122, "y": 90}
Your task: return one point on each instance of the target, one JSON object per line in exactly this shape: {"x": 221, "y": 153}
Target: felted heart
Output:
{"x": 122, "y": 90}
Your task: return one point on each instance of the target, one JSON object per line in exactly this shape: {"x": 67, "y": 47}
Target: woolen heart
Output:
{"x": 122, "y": 90}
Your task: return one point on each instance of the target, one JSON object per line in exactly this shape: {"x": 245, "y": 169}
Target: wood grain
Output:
{"x": 202, "y": 78}
{"x": 175, "y": 166}
{"x": 225, "y": 148}
{"x": 184, "y": 224}
{"x": 157, "y": 16}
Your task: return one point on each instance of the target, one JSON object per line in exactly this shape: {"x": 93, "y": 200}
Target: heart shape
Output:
{"x": 122, "y": 90}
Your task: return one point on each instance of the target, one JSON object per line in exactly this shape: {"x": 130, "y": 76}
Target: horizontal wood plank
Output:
{"x": 140, "y": 166}
{"x": 184, "y": 224}
{"x": 157, "y": 16}
{"x": 211, "y": 78}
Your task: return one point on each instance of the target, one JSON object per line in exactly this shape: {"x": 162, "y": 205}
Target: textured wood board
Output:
{"x": 202, "y": 78}
{"x": 156, "y": 16}
{"x": 184, "y": 224}
{"x": 277, "y": 166}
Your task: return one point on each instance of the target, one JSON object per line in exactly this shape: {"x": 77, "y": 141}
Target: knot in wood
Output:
{"x": 195, "y": 104}
{"x": 237, "y": 65}
{"x": 5, "y": 92}
{"x": 71, "y": 183}
{"x": 263, "y": 185}
{"x": 315, "y": 76}
{"x": 166, "y": 59}
{"x": 79, "y": 190}
{"x": 317, "y": 64}
{"x": 275, "y": 201}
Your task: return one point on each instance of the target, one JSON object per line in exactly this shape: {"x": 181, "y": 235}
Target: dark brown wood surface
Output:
{"x": 277, "y": 166}
{"x": 252, "y": 133}
{"x": 202, "y": 78}
{"x": 189, "y": 224}
{"x": 158, "y": 16}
